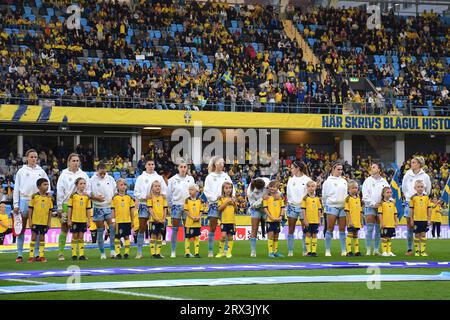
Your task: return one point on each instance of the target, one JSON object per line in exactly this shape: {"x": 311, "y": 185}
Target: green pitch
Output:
{"x": 437, "y": 250}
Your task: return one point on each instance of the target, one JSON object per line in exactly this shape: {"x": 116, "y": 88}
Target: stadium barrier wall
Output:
{"x": 169, "y": 118}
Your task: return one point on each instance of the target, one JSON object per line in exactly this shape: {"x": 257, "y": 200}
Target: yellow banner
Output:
{"x": 169, "y": 118}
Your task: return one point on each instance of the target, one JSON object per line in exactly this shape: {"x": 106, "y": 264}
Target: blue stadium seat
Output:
{"x": 130, "y": 32}
{"x": 32, "y": 18}
{"x": 130, "y": 193}
{"x": 83, "y": 22}
{"x": 27, "y": 10}
{"x": 126, "y": 61}
{"x": 87, "y": 28}
{"x": 8, "y": 31}
{"x": 94, "y": 84}
{"x": 182, "y": 64}
{"x": 151, "y": 33}
{"x": 157, "y": 34}
{"x": 425, "y": 112}
{"x": 180, "y": 28}
{"x": 15, "y": 30}
{"x": 430, "y": 103}
{"x": 399, "y": 104}
{"x": 47, "y": 19}
{"x": 194, "y": 50}
{"x": 116, "y": 175}
{"x": 358, "y": 50}
{"x": 147, "y": 63}
{"x": 255, "y": 45}
{"x": 8, "y": 209}
{"x": 311, "y": 42}
{"x": 173, "y": 27}
{"x": 168, "y": 64}
{"x": 50, "y": 12}
{"x": 313, "y": 27}
{"x": 13, "y": 8}
{"x": 117, "y": 62}
{"x": 128, "y": 39}
{"x": 195, "y": 65}
{"x": 413, "y": 59}
{"x": 205, "y": 59}
{"x": 210, "y": 66}
{"x": 130, "y": 181}
{"x": 234, "y": 23}
{"x": 301, "y": 27}
{"x": 38, "y": 3}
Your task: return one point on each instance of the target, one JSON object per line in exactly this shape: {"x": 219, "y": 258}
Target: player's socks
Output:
{"x": 369, "y": 235}
{"x": 112, "y": 236}
{"x": 197, "y": 245}
{"x": 62, "y": 242}
{"x": 158, "y": 246}
{"x": 221, "y": 246}
{"x": 74, "y": 247}
{"x": 253, "y": 244}
{"x": 210, "y": 241}
{"x": 384, "y": 244}
{"x": 81, "y": 246}
{"x": 356, "y": 244}
{"x": 230, "y": 246}
{"x": 303, "y": 242}
{"x": 423, "y": 245}
{"x": 308, "y": 244}
{"x": 140, "y": 242}
{"x": 377, "y": 237}
{"x": 100, "y": 240}
{"x": 94, "y": 236}
{"x": 342, "y": 240}
{"x": 225, "y": 247}
{"x": 270, "y": 246}
{"x": 152, "y": 247}
{"x": 313, "y": 245}
{"x": 41, "y": 249}
{"x": 173, "y": 239}
{"x": 389, "y": 245}
{"x": 32, "y": 244}
{"x": 417, "y": 245}
{"x": 127, "y": 246}
{"x": 117, "y": 245}
{"x": 187, "y": 246}
{"x": 290, "y": 242}
{"x": 410, "y": 237}
{"x": 275, "y": 246}
{"x": 348, "y": 243}
{"x": 328, "y": 237}
{"x": 20, "y": 240}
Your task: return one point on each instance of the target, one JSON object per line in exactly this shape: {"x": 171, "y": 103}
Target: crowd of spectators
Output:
{"x": 157, "y": 54}
{"x": 408, "y": 58}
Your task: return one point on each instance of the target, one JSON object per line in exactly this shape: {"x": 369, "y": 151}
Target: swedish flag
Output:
{"x": 396, "y": 191}
{"x": 446, "y": 194}
{"x": 227, "y": 77}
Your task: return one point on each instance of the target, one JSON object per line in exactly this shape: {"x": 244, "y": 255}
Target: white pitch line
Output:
{"x": 127, "y": 293}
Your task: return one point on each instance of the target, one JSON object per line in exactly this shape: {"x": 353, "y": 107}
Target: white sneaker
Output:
{"x": 368, "y": 252}
{"x": 385, "y": 254}
{"x": 305, "y": 253}
{"x": 173, "y": 255}
{"x": 191, "y": 255}
{"x": 164, "y": 242}
{"x": 327, "y": 253}
{"x": 138, "y": 256}
{"x": 391, "y": 254}
{"x": 290, "y": 254}
{"x": 103, "y": 256}
{"x": 377, "y": 253}
{"x": 210, "y": 254}
{"x": 61, "y": 257}
{"x": 343, "y": 253}
{"x": 112, "y": 255}
{"x": 253, "y": 254}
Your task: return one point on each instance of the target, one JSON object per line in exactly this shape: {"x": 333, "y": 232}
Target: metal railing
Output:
{"x": 384, "y": 107}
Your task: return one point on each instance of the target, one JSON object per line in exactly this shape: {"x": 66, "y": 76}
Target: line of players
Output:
{"x": 77, "y": 196}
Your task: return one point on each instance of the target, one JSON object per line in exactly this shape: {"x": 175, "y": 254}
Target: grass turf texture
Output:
{"x": 437, "y": 249}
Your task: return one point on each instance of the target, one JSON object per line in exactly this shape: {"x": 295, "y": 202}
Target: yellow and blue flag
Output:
{"x": 227, "y": 77}
{"x": 396, "y": 191}
{"x": 446, "y": 193}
